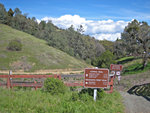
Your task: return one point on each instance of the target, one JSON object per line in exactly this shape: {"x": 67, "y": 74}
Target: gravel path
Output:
{"x": 135, "y": 104}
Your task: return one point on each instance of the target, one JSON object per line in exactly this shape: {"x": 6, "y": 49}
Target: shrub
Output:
{"x": 54, "y": 86}
{"x": 104, "y": 60}
{"x": 15, "y": 45}
{"x": 90, "y": 92}
{"x": 74, "y": 96}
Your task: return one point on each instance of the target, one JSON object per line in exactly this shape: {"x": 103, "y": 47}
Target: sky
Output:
{"x": 102, "y": 19}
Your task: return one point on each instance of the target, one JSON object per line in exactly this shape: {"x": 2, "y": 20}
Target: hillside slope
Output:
{"x": 35, "y": 54}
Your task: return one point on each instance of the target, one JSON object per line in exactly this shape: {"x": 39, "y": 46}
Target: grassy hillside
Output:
{"x": 132, "y": 65}
{"x": 35, "y": 54}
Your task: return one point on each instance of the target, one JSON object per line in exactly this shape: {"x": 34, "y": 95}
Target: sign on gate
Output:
{"x": 116, "y": 67}
{"x": 118, "y": 73}
{"x": 96, "y": 78}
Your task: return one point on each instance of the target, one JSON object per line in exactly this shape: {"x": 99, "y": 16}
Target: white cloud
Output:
{"x": 108, "y": 36}
{"x": 104, "y": 29}
{"x": 38, "y": 21}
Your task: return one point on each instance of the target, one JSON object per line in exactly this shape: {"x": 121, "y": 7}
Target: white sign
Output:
{"x": 118, "y": 73}
{"x": 113, "y": 73}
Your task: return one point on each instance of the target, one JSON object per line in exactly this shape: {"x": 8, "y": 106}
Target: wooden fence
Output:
{"x": 36, "y": 84}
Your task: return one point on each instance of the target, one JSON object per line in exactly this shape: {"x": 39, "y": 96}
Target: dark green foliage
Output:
{"x": 10, "y": 12}
{"x": 17, "y": 11}
{"x": 125, "y": 60}
{"x": 119, "y": 49}
{"x": 85, "y": 93}
{"x": 15, "y": 45}
{"x": 73, "y": 88}
{"x": 54, "y": 86}
{"x": 3, "y": 14}
{"x": 109, "y": 45}
{"x": 74, "y": 96}
{"x": 104, "y": 60}
{"x": 136, "y": 40}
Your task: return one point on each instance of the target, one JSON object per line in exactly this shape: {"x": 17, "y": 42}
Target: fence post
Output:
{"x": 59, "y": 77}
{"x": 55, "y": 76}
{"x": 111, "y": 85}
{"x": 35, "y": 85}
{"x": 8, "y": 80}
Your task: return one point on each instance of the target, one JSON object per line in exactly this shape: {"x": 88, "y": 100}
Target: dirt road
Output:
{"x": 53, "y": 71}
{"x": 135, "y": 104}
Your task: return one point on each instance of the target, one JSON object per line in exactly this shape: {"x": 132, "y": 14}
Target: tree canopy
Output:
{"x": 136, "y": 38}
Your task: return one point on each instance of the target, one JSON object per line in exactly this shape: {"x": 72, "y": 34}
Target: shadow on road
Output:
{"x": 141, "y": 90}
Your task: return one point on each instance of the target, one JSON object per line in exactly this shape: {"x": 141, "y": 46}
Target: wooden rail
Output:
{"x": 30, "y": 76}
{"x": 33, "y": 84}
{"x": 74, "y": 84}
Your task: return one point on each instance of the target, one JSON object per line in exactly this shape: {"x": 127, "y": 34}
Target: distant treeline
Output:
{"x": 70, "y": 41}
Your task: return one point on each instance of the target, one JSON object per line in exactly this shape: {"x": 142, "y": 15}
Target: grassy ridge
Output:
{"x": 133, "y": 65}
{"x": 36, "y": 54}
{"x": 136, "y": 68}
{"x": 37, "y": 102}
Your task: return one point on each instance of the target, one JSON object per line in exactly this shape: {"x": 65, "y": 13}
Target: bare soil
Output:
{"x": 54, "y": 71}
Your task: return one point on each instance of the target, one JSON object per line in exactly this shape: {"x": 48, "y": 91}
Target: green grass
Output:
{"x": 35, "y": 54}
{"x": 132, "y": 65}
{"x": 136, "y": 68}
{"x": 125, "y": 60}
{"x": 27, "y": 101}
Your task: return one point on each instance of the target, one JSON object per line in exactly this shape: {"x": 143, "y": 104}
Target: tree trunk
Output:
{"x": 145, "y": 57}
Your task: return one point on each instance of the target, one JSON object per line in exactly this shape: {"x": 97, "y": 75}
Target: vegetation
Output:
{"x": 54, "y": 86}
{"x": 39, "y": 102}
{"x": 15, "y": 45}
{"x": 104, "y": 60}
{"x": 136, "y": 40}
{"x": 70, "y": 41}
{"x": 35, "y": 53}
{"x": 119, "y": 49}
{"x": 108, "y": 45}
{"x": 136, "y": 68}
{"x": 132, "y": 65}
{"x": 125, "y": 60}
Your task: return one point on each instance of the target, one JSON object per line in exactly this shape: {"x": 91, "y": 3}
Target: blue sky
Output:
{"x": 91, "y": 10}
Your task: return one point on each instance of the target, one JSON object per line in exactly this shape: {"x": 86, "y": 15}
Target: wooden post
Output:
{"x": 111, "y": 84}
{"x": 8, "y": 82}
{"x": 55, "y": 76}
{"x": 35, "y": 85}
{"x": 59, "y": 77}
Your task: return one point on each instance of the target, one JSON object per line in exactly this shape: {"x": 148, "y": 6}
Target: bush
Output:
{"x": 90, "y": 92}
{"x": 54, "y": 86}
{"x": 74, "y": 96}
{"x": 15, "y": 45}
{"x": 104, "y": 60}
